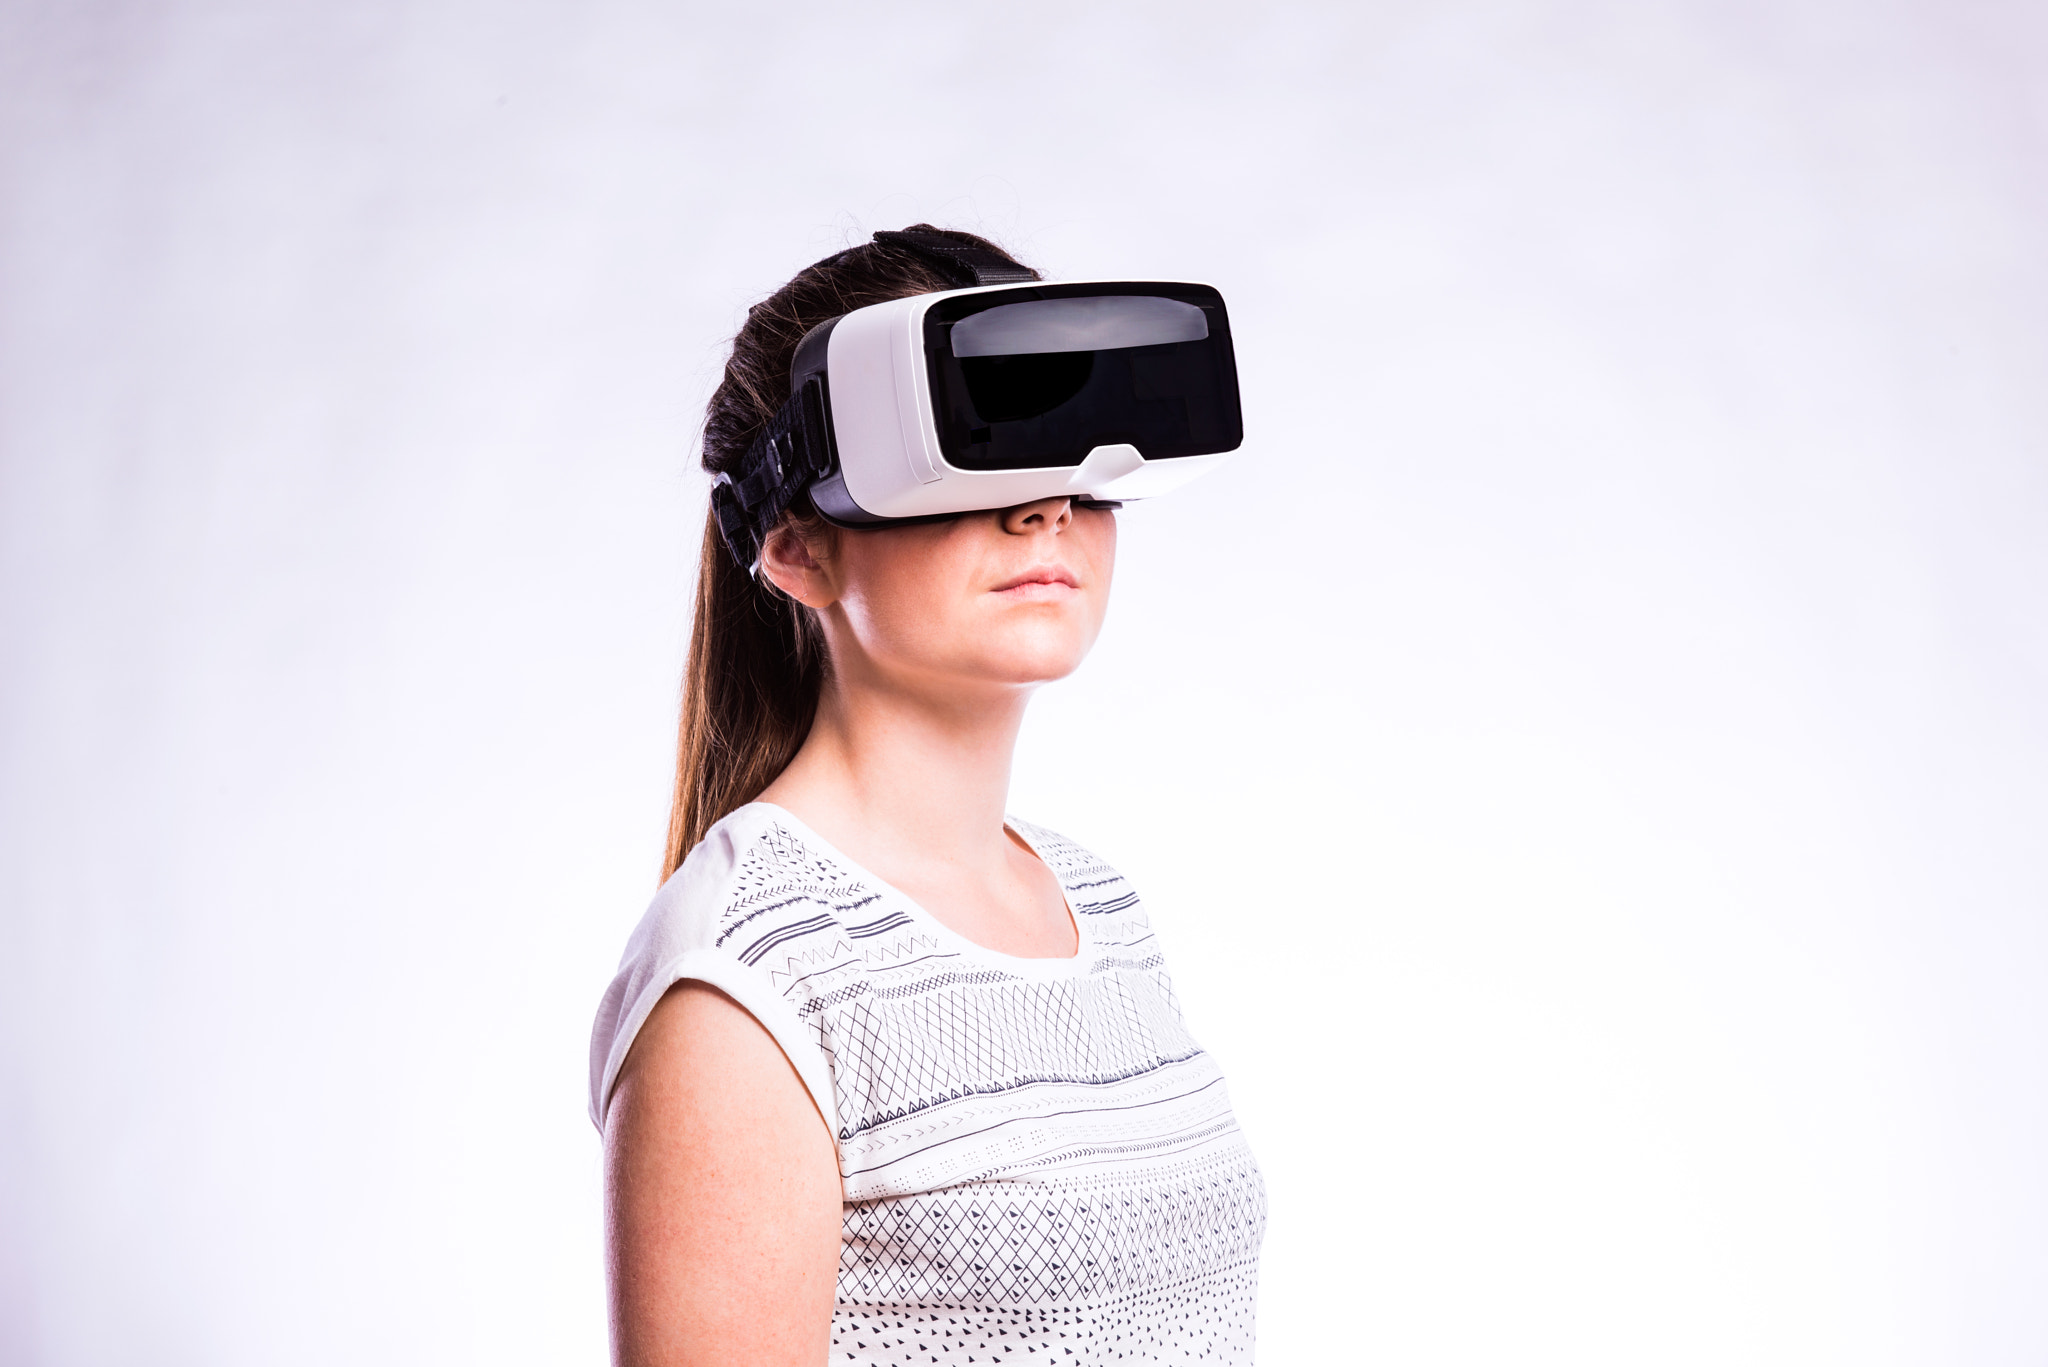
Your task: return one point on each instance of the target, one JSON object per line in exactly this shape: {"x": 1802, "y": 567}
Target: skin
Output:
{"x": 723, "y": 1197}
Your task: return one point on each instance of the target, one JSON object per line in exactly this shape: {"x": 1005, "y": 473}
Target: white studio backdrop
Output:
{"x": 1587, "y": 757}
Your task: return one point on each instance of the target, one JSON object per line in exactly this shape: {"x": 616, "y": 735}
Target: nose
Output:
{"x": 1047, "y": 514}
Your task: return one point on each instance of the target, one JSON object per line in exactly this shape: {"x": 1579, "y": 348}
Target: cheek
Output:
{"x": 1098, "y": 537}
{"x": 1092, "y": 551}
{"x": 903, "y": 590}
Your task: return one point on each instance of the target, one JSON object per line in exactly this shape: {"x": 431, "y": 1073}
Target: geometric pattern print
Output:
{"x": 1038, "y": 1157}
{"x": 922, "y": 1043}
{"x": 1207, "y": 1320}
{"x": 941, "y": 1057}
{"x": 1034, "y": 1244}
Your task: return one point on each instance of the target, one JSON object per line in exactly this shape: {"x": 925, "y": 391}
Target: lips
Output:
{"x": 1040, "y": 579}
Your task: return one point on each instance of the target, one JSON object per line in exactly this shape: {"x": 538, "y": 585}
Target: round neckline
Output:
{"x": 1019, "y": 965}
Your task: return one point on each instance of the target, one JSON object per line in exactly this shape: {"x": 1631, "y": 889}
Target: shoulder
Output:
{"x": 751, "y": 884}
{"x": 752, "y": 874}
{"x": 1093, "y": 886}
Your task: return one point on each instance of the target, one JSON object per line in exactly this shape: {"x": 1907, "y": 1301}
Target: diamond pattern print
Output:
{"x": 1031, "y": 1244}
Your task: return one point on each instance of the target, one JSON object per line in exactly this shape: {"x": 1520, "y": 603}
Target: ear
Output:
{"x": 799, "y": 563}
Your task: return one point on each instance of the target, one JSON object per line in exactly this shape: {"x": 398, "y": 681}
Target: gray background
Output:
{"x": 1586, "y": 756}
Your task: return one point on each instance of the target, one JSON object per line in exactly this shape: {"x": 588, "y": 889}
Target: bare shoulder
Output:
{"x": 723, "y": 1198}
{"x": 699, "y": 1040}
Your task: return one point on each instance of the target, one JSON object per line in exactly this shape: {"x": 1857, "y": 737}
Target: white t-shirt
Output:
{"x": 1040, "y": 1162}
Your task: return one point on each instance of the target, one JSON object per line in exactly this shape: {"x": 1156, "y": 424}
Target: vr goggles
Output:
{"x": 1000, "y": 393}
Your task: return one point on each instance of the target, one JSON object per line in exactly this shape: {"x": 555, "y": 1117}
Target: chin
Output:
{"x": 1032, "y": 662}
{"x": 1033, "y": 667}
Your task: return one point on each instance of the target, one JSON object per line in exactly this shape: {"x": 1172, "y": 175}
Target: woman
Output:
{"x": 886, "y": 1077}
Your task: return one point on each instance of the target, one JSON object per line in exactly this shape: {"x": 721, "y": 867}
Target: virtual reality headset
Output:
{"x": 991, "y": 396}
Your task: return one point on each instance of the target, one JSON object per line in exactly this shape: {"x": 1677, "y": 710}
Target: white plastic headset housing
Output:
{"x": 888, "y": 440}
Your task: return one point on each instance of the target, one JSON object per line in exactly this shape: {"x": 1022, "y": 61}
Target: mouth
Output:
{"x": 1044, "y": 581}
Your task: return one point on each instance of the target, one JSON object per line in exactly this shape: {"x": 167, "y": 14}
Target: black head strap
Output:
{"x": 795, "y": 448}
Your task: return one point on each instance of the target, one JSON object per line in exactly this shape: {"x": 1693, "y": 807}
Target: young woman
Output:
{"x": 886, "y": 1076}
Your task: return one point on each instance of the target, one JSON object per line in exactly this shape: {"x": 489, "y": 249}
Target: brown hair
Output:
{"x": 757, "y": 657}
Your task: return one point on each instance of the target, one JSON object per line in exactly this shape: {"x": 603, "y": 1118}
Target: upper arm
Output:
{"x": 722, "y": 1195}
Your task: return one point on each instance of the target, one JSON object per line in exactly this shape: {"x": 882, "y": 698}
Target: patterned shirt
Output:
{"x": 1040, "y": 1163}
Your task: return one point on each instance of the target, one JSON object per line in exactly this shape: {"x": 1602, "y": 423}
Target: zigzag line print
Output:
{"x": 839, "y": 954}
{"x": 903, "y": 949}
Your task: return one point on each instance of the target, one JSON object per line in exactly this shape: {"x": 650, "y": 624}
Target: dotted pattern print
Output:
{"x": 1210, "y": 1321}
{"x": 1040, "y": 1162}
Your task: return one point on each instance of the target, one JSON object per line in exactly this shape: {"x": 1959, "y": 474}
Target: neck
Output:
{"x": 895, "y": 773}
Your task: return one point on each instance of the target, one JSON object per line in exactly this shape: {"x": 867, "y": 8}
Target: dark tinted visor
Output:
{"x": 1040, "y": 375}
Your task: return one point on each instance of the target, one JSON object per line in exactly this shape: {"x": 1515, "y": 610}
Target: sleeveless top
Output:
{"x": 1040, "y": 1163}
